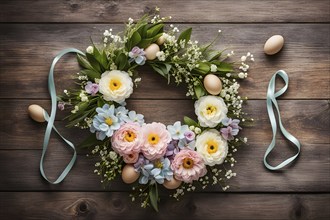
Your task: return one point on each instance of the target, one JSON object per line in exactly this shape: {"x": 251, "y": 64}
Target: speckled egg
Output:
{"x": 172, "y": 184}
{"x": 151, "y": 51}
{"x": 129, "y": 175}
{"x": 36, "y": 112}
{"x": 212, "y": 84}
{"x": 274, "y": 44}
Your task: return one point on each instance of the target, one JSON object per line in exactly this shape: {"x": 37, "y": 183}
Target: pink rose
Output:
{"x": 156, "y": 138}
{"x": 188, "y": 165}
{"x": 127, "y": 139}
{"x": 131, "y": 158}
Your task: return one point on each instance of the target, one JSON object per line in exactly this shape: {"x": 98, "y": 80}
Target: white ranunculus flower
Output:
{"x": 210, "y": 110}
{"x": 115, "y": 85}
{"x": 212, "y": 147}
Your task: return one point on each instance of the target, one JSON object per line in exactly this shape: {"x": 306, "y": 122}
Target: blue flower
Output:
{"x": 133, "y": 117}
{"x": 157, "y": 171}
{"x": 177, "y": 131}
{"x": 121, "y": 113}
{"x": 105, "y": 122}
{"x": 138, "y": 55}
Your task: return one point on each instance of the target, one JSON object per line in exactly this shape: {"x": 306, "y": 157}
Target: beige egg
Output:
{"x": 212, "y": 84}
{"x": 172, "y": 184}
{"x": 274, "y": 44}
{"x": 151, "y": 51}
{"x": 129, "y": 175}
{"x": 36, "y": 112}
{"x": 160, "y": 40}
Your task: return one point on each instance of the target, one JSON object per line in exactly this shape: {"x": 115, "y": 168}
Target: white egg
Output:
{"x": 128, "y": 174}
{"x": 172, "y": 184}
{"x": 151, "y": 51}
{"x": 160, "y": 40}
{"x": 274, "y": 44}
{"x": 36, "y": 112}
{"x": 212, "y": 84}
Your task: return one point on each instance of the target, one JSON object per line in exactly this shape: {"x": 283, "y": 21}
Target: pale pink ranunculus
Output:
{"x": 131, "y": 158}
{"x": 188, "y": 165}
{"x": 156, "y": 138}
{"x": 127, "y": 139}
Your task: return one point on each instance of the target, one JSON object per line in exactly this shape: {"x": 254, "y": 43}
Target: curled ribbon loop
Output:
{"x": 50, "y": 119}
{"x": 271, "y": 100}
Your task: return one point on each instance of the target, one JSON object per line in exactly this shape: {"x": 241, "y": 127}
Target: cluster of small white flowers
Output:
{"x": 88, "y": 121}
{"x": 245, "y": 67}
{"x": 229, "y": 93}
{"x": 82, "y": 77}
{"x": 75, "y": 110}
{"x": 216, "y": 177}
{"x": 157, "y": 19}
{"x": 229, "y": 174}
{"x": 107, "y": 36}
{"x": 230, "y": 54}
{"x": 161, "y": 56}
{"x": 109, "y": 165}
{"x": 83, "y": 96}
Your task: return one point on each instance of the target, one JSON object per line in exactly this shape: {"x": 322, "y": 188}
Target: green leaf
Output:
{"x": 94, "y": 63}
{"x": 203, "y": 68}
{"x": 225, "y": 67}
{"x": 91, "y": 74}
{"x": 84, "y": 62}
{"x": 134, "y": 40}
{"x": 153, "y": 195}
{"x": 121, "y": 61}
{"x": 199, "y": 91}
{"x": 153, "y": 31}
{"x": 212, "y": 55}
{"x": 163, "y": 69}
{"x": 145, "y": 42}
{"x": 190, "y": 122}
{"x": 100, "y": 102}
{"x": 185, "y": 35}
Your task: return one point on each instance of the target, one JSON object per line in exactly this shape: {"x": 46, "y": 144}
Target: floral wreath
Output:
{"x": 182, "y": 156}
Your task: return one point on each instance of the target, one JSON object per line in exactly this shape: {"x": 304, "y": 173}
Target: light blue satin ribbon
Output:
{"x": 271, "y": 100}
{"x": 50, "y": 119}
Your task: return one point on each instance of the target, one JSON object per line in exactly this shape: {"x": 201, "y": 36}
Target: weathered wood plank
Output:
{"x": 86, "y": 205}
{"x": 311, "y": 169}
{"x": 182, "y": 10}
{"x": 27, "y": 50}
{"x": 307, "y": 120}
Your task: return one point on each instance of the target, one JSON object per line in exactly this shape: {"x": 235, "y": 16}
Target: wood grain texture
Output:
{"x": 312, "y": 120}
{"x": 181, "y": 10}
{"x": 33, "y": 32}
{"x": 311, "y": 169}
{"x": 27, "y": 51}
{"x": 86, "y": 205}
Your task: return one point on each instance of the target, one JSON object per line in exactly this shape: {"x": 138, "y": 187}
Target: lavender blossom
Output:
{"x": 92, "y": 88}
{"x": 138, "y": 55}
{"x": 61, "y": 105}
{"x": 232, "y": 128}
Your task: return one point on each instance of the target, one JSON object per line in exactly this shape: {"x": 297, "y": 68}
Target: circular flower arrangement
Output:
{"x": 182, "y": 156}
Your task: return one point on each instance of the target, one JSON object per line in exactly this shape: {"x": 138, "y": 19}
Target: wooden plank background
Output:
{"x": 33, "y": 32}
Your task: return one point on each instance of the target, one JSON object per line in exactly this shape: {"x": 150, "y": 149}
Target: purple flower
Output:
{"x": 140, "y": 163}
{"x": 172, "y": 149}
{"x": 138, "y": 55}
{"x": 189, "y": 135}
{"x": 61, "y": 105}
{"x": 91, "y": 88}
{"x": 232, "y": 128}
